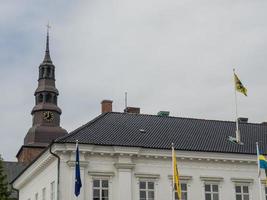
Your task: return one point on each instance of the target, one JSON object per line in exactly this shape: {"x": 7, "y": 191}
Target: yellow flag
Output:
{"x": 239, "y": 86}
{"x": 176, "y": 181}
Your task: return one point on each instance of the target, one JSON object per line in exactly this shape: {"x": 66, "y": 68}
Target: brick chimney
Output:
{"x": 135, "y": 110}
{"x": 106, "y": 106}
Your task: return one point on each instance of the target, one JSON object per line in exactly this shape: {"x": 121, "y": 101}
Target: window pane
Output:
{"x": 151, "y": 194}
{"x": 142, "y": 194}
{"x": 104, "y": 193}
{"x": 150, "y": 185}
{"x": 183, "y": 187}
{"x": 97, "y": 198}
{"x": 96, "y": 183}
{"x": 215, "y": 188}
{"x": 96, "y": 193}
{"x": 238, "y": 197}
{"x": 105, "y": 183}
{"x": 238, "y": 189}
{"x": 245, "y": 189}
{"x": 142, "y": 185}
{"x": 176, "y": 195}
{"x": 215, "y": 196}
{"x": 207, "y": 188}
{"x": 246, "y": 197}
{"x": 184, "y": 196}
{"x": 207, "y": 196}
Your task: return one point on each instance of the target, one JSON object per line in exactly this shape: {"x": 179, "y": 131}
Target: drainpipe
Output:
{"x": 16, "y": 190}
{"x": 58, "y": 168}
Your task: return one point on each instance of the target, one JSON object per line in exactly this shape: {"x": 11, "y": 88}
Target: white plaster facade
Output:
{"x": 124, "y": 167}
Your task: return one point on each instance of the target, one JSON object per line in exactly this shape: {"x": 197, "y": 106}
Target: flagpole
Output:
{"x": 173, "y": 189}
{"x": 237, "y": 133}
{"x": 259, "y": 174}
{"x": 77, "y": 143}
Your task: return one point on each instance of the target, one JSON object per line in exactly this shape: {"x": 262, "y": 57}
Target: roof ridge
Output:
{"x": 81, "y": 127}
{"x": 191, "y": 118}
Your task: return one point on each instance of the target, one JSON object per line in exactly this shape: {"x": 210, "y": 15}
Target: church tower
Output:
{"x": 46, "y": 113}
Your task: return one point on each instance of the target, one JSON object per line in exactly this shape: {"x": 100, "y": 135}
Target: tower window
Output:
{"x": 41, "y": 72}
{"x": 48, "y": 98}
{"x": 48, "y": 72}
{"x": 40, "y": 98}
{"x": 55, "y": 99}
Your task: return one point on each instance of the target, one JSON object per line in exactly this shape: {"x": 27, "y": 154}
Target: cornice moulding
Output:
{"x": 124, "y": 165}
{"x": 242, "y": 180}
{"x": 211, "y": 178}
{"x": 148, "y": 176}
{"x": 183, "y": 178}
{"x": 72, "y": 163}
{"x": 100, "y": 173}
{"x": 158, "y": 153}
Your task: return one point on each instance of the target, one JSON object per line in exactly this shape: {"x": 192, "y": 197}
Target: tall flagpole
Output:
{"x": 237, "y": 133}
{"x": 259, "y": 177}
{"x": 173, "y": 181}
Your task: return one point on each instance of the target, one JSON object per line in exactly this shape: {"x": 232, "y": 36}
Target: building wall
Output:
{"x": 124, "y": 169}
{"x": 39, "y": 180}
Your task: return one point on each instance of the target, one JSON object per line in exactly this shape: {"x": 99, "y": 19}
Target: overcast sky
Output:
{"x": 174, "y": 55}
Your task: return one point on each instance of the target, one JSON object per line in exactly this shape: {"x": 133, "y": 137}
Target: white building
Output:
{"x": 127, "y": 156}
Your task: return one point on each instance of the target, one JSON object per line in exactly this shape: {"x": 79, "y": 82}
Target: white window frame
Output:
{"x": 183, "y": 191}
{"x": 211, "y": 192}
{"x": 184, "y": 180}
{"x": 147, "y": 190}
{"x": 242, "y": 193}
{"x": 95, "y": 175}
{"x": 53, "y": 190}
{"x": 100, "y": 188}
{"x": 140, "y": 177}
{"x": 242, "y": 182}
{"x": 44, "y": 193}
{"x": 213, "y": 181}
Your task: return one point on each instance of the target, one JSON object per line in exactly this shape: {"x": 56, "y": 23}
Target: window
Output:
{"x": 147, "y": 190}
{"x": 36, "y": 196}
{"x": 100, "y": 189}
{"x": 211, "y": 191}
{"x": 48, "y": 98}
{"x": 184, "y": 192}
{"x": 266, "y": 193}
{"x": 242, "y": 192}
{"x": 52, "y": 190}
{"x": 43, "y": 194}
{"x": 40, "y": 98}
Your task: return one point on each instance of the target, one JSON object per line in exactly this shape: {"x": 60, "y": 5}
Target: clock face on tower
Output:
{"x": 48, "y": 116}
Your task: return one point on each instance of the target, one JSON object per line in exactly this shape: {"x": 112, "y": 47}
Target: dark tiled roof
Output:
{"x": 151, "y": 131}
{"x": 12, "y": 169}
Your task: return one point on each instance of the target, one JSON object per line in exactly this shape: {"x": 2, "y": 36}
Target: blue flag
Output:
{"x": 78, "y": 182}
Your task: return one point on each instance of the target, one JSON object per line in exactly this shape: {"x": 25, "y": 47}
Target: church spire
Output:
{"x": 46, "y": 113}
{"x": 47, "y": 58}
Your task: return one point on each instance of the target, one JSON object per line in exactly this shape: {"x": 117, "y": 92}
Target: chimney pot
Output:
{"x": 243, "y": 120}
{"x": 106, "y": 106}
{"x": 135, "y": 110}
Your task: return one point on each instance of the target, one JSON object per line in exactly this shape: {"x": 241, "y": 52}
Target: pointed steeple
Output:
{"x": 47, "y": 58}
{"x": 46, "y": 113}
